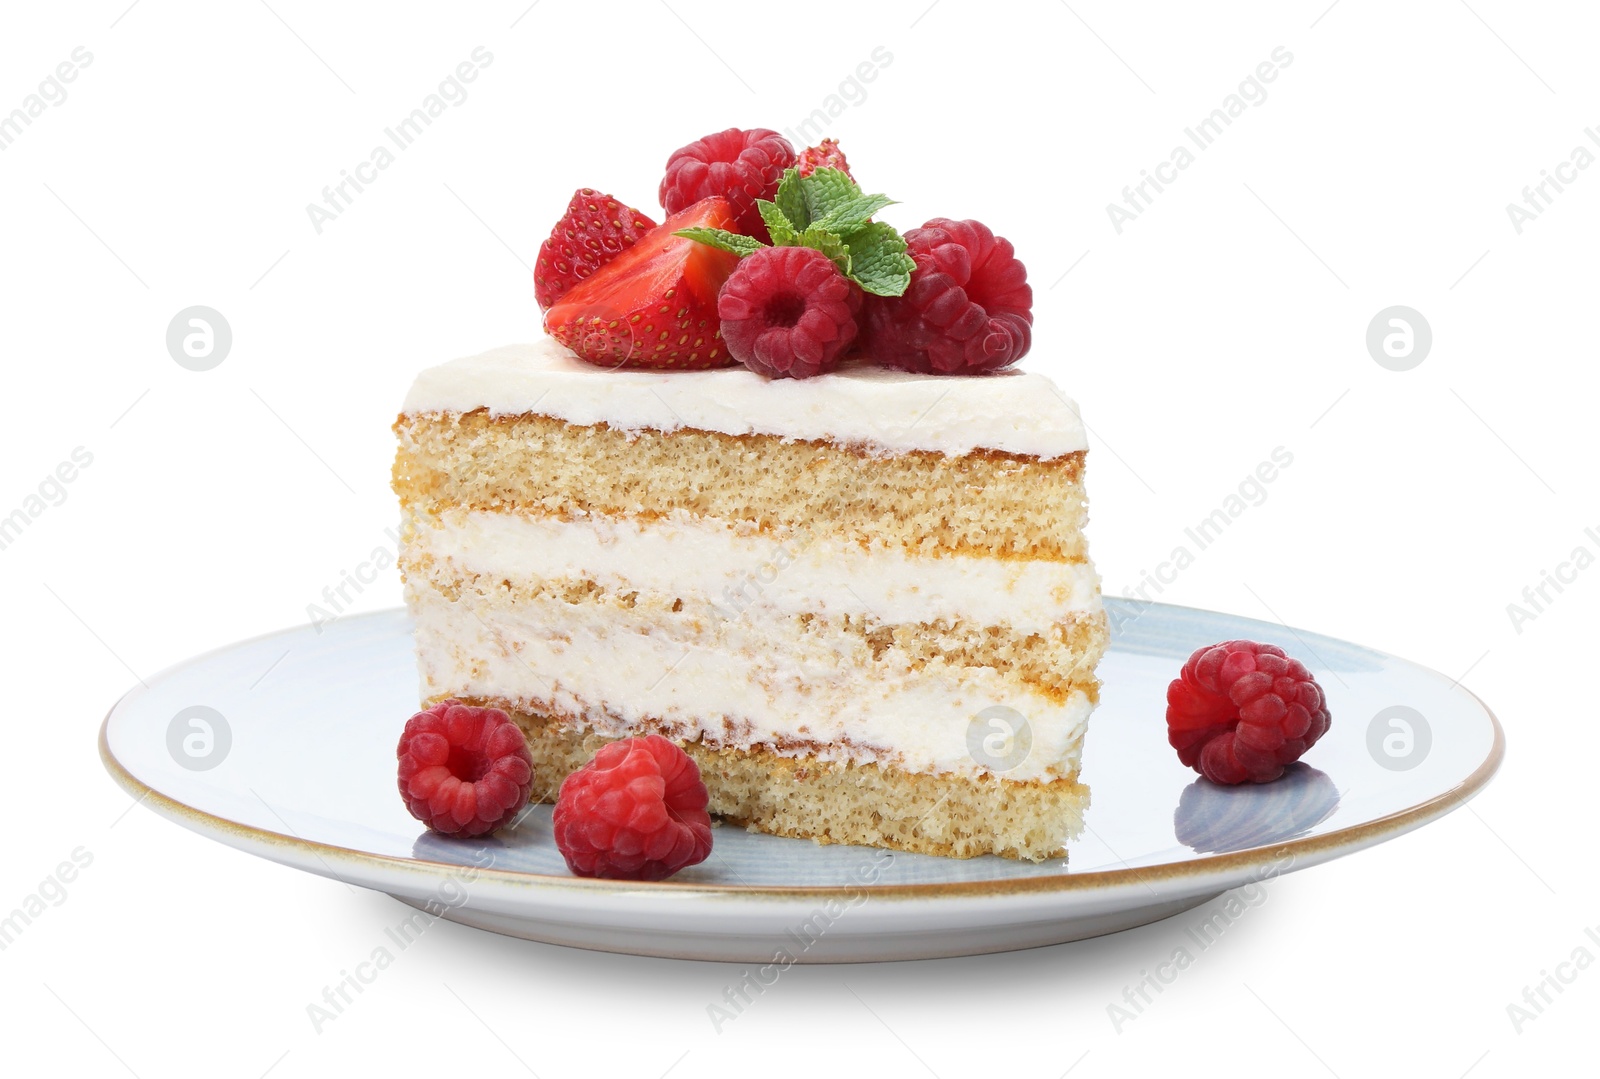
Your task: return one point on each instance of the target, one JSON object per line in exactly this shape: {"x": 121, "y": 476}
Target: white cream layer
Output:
{"x": 618, "y": 670}
{"x": 890, "y": 411}
{"x": 786, "y": 574}
{"x": 729, "y": 667}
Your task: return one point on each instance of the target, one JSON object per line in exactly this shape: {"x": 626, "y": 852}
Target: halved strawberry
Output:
{"x": 655, "y": 304}
{"x": 595, "y": 229}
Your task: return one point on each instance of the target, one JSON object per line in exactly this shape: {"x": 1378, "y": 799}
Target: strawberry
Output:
{"x": 595, "y": 229}
{"x": 655, "y": 304}
{"x": 824, "y": 155}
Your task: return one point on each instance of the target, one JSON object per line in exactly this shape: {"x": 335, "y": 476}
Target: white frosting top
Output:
{"x": 1013, "y": 412}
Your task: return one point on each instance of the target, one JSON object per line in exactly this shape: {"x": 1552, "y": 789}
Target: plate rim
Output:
{"x": 1313, "y": 849}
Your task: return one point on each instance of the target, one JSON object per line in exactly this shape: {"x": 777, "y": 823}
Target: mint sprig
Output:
{"x": 828, "y": 212}
{"x": 738, "y": 243}
{"x": 780, "y": 227}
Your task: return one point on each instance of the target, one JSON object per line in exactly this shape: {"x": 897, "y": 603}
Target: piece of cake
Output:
{"x": 862, "y": 601}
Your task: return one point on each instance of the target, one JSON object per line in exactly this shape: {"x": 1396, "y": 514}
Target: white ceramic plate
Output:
{"x": 284, "y": 746}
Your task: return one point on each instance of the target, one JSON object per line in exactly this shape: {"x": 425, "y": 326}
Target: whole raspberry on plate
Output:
{"x": 464, "y": 771}
{"x": 968, "y": 311}
{"x": 595, "y": 229}
{"x": 787, "y": 312}
{"x": 635, "y": 812}
{"x": 740, "y": 166}
{"x": 1241, "y": 712}
{"x": 825, "y": 155}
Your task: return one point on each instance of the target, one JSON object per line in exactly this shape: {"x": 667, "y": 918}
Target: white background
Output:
{"x": 1227, "y": 320}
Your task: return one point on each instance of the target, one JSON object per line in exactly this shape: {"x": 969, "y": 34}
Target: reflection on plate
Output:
{"x": 1212, "y": 819}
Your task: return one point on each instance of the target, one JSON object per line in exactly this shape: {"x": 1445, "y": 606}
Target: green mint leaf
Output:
{"x": 829, "y": 243}
{"x": 827, "y": 212}
{"x": 879, "y": 261}
{"x": 825, "y": 191}
{"x": 723, "y": 240}
{"x": 782, "y": 230}
{"x": 791, "y": 201}
{"x": 848, "y": 216}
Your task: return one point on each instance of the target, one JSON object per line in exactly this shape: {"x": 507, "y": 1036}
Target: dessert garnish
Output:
{"x": 655, "y": 304}
{"x": 464, "y": 771}
{"x": 595, "y": 229}
{"x": 740, "y": 166}
{"x": 1240, "y": 712}
{"x": 637, "y": 811}
{"x": 787, "y": 312}
{"x": 825, "y": 155}
{"x": 968, "y": 310}
{"x": 949, "y": 298}
{"x": 827, "y": 211}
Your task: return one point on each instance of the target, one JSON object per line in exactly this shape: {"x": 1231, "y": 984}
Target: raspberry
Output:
{"x": 595, "y": 229}
{"x": 741, "y": 166}
{"x": 635, "y": 812}
{"x": 1241, "y": 711}
{"x": 463, "y": 770}
{"x": 787, "y": 312}
{"x": 969, "y": 309}
{"x": 825, "y": 155}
